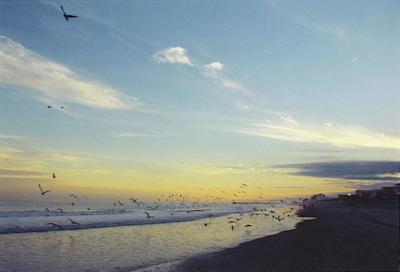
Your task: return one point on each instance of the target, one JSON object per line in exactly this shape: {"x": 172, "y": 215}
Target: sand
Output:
{"x": 343, "y": 237}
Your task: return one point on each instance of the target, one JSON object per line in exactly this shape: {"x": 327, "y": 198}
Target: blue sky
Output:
{"x": 161, "y": 86}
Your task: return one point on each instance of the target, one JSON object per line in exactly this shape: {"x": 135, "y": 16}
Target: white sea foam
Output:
{"x": 38, "y": 220}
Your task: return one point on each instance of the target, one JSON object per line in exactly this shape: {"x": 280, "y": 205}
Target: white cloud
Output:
{"x": 335, "y": 134}
{"x": 214, "y": 66}
{"x": 22, "y": 67}
{"x": 173, "y": 55}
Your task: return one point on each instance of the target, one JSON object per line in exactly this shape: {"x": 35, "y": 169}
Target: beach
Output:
{"x": 359, "y": 236}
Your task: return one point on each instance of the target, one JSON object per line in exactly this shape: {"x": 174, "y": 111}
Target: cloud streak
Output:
{"x": 346, "y": 136}
{"x": 349, "y": 170}
{"x": 22, "y": 67}
{"x": 136, "y": 135}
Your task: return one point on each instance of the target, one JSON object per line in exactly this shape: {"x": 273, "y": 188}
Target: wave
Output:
{"x": 57, "y": 220}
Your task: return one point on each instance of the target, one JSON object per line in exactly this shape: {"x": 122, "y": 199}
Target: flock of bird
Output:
{"x": 180, "y": 203}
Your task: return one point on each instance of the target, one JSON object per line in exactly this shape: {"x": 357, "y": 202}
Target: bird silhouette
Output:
{"x": 54, "y": 175}
{"x": 49, "y": 107}
{"x": 148, "y": 215}
{"x": 43, "y": 192}
{"x": 67, "y": 16}
{"x": 73, "y": 222}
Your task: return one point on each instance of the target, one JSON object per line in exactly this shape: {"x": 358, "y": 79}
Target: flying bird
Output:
{"x": 148, "y": 215}
{"x": 49, "y": 107}
{"x": 67, "y": 16}
{"x": 43, "y": 192}
{"x": 73, "y": 222}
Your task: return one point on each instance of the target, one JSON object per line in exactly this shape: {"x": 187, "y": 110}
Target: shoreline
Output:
{"x": 344, "y": 236}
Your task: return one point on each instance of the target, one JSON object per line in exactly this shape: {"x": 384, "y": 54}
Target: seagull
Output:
{"x": 74, "y": 196}
{"x": 148, "y": 215}
{"x": 73, "y": 222}
{"x": 55, "y": 225}
{"x": 43, "y": 192}
{"x": 67, "y": 16}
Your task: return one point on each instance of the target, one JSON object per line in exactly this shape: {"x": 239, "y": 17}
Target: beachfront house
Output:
{"x": 318, "y": 197}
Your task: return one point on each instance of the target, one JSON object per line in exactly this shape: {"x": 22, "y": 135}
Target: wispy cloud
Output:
{"x": 173, "y": 55}
{"x": 312, "y": 22}
{"x": 136, "y": 135}
{"x": 212, "y": 70}
{"x": 288, "y": 129}
{"x": 179, "y": 55}
{"x": 12, "y": 137}
{"x": 22, "y": 67}
{"x": 17, "y": 172}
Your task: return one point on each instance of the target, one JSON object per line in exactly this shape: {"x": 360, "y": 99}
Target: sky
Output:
{"x": 197, "y": 96}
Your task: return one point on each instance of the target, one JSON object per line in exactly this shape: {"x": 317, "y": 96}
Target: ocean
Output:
{"x": 56, "y": 236}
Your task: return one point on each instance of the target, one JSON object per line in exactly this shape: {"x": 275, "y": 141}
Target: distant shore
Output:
{"x": 357, "y": 236}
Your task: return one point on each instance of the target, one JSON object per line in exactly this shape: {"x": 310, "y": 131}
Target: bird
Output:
{"x": 73, "y": 222}
{"x": 67, "y": 16}
{"x": 248, "y": 225}
{"x": 148, "y": 215}
{"x": 62, "y": 107}
{"x": 54, "y": 175}
{"x": 49, "y": 107}
{"x": 43, "y": 192}
{"x": 55, "y": 225}
{"x": 74, "y": 196}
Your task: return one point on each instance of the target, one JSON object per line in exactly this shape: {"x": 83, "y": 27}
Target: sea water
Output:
{"x": 124, "y": 238}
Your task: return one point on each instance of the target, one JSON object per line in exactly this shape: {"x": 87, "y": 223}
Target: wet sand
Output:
{"x": 343, "y": 237}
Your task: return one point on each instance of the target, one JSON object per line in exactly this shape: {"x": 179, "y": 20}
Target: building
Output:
{"x": 318, "y": 197}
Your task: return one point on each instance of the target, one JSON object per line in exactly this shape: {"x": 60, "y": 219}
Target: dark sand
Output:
{"x": 356, "y": 237}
